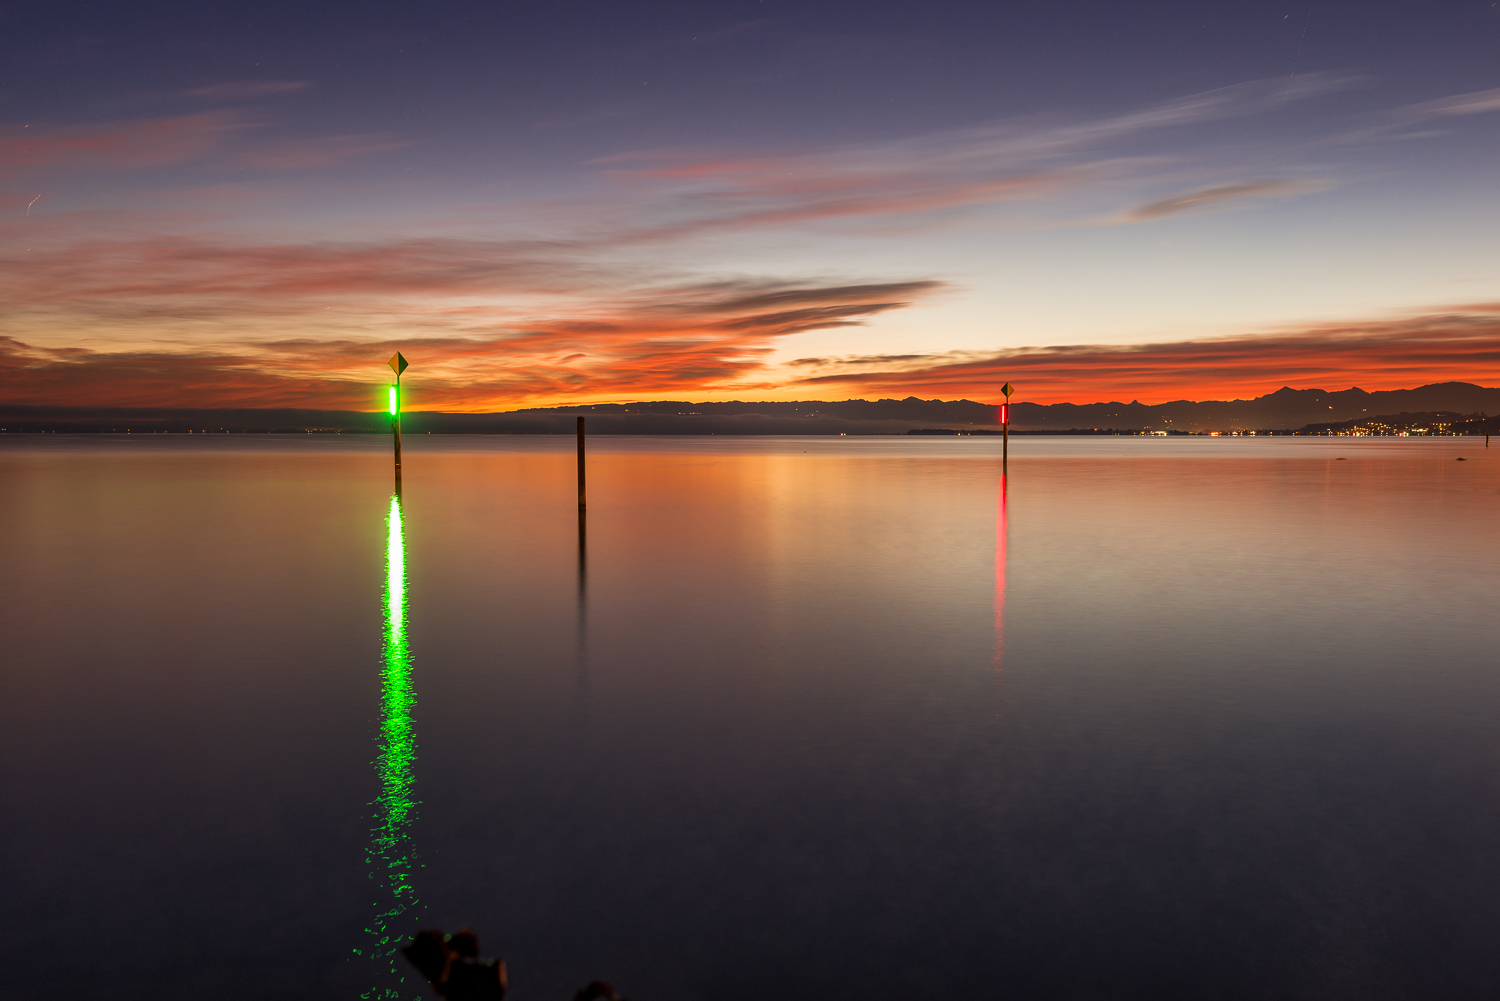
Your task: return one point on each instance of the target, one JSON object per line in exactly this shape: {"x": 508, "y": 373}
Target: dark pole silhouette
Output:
{"x": 398, "y": 365}
{"x": 1007, "y": 389}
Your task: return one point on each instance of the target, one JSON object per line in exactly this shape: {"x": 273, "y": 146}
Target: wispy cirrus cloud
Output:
{"x": 247, "y": 279}
{"x": 935, "y": 173}
{"x": 1458, "y": 344}
{"x": 113, "y": 145}
{"x": 1203, "y": 198}
{"x": 301, "y": 154}
{"x": 246, "y": 90}
{"x": 1401, "y": 122}
{"x": 1476, "y": 103}
{"x": 223, "y": 136}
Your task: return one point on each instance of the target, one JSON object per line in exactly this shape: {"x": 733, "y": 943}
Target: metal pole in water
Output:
{"x": 583, "y": 501}
{"x": 1007, "y": 389}
{"x": 398, "y": 365}
{"x": 396, "y": 426}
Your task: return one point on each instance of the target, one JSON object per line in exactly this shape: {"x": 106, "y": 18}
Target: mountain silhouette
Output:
{"x": 1286, "y": 408}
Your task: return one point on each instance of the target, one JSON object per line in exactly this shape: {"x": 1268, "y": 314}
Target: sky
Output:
{"x": 255, "y": 205}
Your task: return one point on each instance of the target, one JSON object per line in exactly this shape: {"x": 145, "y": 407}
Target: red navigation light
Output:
{"x": 1005, "y": 413}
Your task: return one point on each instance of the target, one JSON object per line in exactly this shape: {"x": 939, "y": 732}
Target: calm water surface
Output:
{"x": 802, "y": 719}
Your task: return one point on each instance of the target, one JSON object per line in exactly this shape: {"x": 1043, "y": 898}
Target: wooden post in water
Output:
{"x": 398, "y": 365}
{"x": 583, "y": 497}
{"x": 1007, "y": 389}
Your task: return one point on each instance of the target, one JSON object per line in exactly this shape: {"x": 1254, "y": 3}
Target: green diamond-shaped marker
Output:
{"x": 397, "y": 364}
{"x": 1007, "y": 389}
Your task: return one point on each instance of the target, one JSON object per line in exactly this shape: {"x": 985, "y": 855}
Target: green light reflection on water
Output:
{"x": 392, "y": 856}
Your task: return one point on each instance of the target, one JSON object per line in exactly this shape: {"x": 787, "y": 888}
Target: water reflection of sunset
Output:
{"x": 1257, "y": 673}
{"x": 1001, "y": 537}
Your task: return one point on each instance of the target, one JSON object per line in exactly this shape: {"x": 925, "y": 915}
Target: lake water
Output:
{"x": 807, "y": 718}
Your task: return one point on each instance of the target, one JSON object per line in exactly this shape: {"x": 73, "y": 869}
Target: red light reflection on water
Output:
{"x": 1000, "y": 539}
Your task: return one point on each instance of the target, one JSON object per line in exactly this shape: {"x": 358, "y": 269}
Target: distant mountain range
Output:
{"x": 1284, "y": 409}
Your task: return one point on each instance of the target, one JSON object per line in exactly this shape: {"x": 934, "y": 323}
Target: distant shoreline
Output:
{"x": 1443, "y": 408}
{"x": 1476, "y": 430}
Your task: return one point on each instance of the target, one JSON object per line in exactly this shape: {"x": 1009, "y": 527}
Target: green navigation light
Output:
{"x": 392, "y": 391}
{"x": 392, "y": 854}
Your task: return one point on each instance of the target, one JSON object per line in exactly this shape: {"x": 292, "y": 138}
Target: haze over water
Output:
{"x": 813, "y": 718}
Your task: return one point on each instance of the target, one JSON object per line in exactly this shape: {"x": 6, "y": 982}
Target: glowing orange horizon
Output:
{"x": 702, "y": 361}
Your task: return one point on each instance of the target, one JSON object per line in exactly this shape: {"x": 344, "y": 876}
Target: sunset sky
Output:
{"x": 255, "y": 204}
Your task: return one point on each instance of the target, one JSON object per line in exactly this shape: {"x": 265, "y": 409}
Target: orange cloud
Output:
{"x": 1461, "y": 344}
{"x": 1203, "y": 198}
{"x": 663, "y": 341}
{"x": 489, "y": 324}
{"x": 663, "y": 349}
